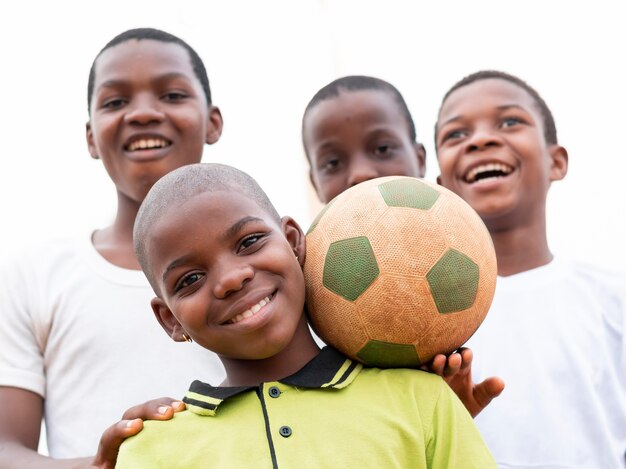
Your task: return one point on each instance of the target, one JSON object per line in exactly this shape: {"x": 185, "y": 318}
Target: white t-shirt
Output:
{"x": 80, "y": 332}
{"x": 556, "y": 335}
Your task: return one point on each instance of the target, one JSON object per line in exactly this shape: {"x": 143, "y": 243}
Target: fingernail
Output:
{"x": 162, "y": 409}
{"x": 129, "y": 423}
{"x": 177, "y": 404}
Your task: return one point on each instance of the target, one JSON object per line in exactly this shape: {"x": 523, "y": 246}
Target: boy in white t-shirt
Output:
{"x": 556, "y": 329}
{"x": 78, "y": 344}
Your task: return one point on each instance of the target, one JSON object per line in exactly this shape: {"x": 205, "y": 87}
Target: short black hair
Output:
{"x": 549, "y": 126}
{"x": 180, "y": 185}
{"x": 361, "y": 83}
{"x": 155, "y": 35}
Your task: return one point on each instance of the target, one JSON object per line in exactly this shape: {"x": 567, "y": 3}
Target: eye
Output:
{"x": 453, "y": 135}
{"x": 174, "y": 96}
{"x": 250, "y": 241}
{"x": 383, "y": 149}
{"x": 329, "y": 164}
{"x": 510, "y": 122}
{"x": 114, "y": 103}
{"x": 188, "y": 280}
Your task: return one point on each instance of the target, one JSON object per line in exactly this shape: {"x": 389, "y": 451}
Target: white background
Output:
{"x": 267, "y": 58}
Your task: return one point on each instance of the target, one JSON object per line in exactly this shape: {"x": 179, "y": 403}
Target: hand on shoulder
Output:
{"x": 131, "y": 424}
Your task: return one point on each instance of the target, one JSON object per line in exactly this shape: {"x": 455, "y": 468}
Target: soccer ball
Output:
{"x": 397, "y": 270}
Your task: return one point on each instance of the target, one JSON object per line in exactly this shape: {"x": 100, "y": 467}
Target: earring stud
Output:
{"x": 187, "y": 338}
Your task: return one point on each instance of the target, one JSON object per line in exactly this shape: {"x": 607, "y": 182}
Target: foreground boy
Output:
{"x": 227, "y": 272}
{"x": 556, "y": 329}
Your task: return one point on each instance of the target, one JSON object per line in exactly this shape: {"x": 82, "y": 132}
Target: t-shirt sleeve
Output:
{"x": 21, "y": 358}
{"x": 454, "y": 440}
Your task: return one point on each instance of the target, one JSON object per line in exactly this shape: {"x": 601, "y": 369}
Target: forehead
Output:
{"x": 486, "y": 95}
{"x": 146, "y": 57}
{"x": 207, "y": 213}
{"x": 204, "y": 221}
{"x": 360, "y": 107}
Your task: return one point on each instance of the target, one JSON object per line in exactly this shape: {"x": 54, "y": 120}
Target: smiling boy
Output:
{"x": 227, "y": 272}
{"x": 75, "y": 312}
{"x": 556, "y": 329}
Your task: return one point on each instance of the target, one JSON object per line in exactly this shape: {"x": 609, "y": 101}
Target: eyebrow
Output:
{"x": 504, "y": 107}
{"x": 175, "y": 263}
{"x": 238, "y": 225}
{"x": 164, "y": 77}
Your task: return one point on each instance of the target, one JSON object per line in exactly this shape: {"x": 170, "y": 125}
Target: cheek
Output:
{"x": 103, "y": 132}
{"x": 328, "y": 188}
{"x": 445, "y": 166}
{"x": 193, "y": 121}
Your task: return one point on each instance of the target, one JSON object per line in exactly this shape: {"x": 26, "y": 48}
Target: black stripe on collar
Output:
{"x": 328, "y": 368}
{"x": 321, "y": 371}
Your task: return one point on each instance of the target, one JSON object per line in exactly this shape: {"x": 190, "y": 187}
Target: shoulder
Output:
{"x": 34, "y": 271}
{"x": 604, "y": 280}
{"x": 184, "y": 441}
{"x": 156, "y": 431}
{"x": 592, "y": 270}
{"x": 599, "y": 289}
{"x": 416, "y": 387}
{"x": 45, "y": 253}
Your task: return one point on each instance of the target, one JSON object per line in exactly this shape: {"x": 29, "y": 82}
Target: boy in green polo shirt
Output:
{"x": 227, "y": 272}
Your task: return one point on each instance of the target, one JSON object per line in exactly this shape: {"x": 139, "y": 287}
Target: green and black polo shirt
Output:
{"x": 332, "y": 413}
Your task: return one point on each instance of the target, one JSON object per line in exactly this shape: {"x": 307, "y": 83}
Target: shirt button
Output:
{"x": 274, "y": 392}
{"x": 285, "y": 431}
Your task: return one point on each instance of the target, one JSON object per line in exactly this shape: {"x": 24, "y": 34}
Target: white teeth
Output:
{"x": 250, "y": 312}
{"x": 471, "y": 175}
{"x": 147, "y": 143}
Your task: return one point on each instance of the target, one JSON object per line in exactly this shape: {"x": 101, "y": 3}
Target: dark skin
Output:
{"x": 495, "y": 122}
{"x": 220, "y": 272}
{"x": 142, "y": 88}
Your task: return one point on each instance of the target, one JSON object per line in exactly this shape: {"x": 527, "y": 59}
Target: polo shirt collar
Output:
{"x": 328, "y": 369}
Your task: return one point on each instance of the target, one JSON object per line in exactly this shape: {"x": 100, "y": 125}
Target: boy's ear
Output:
{"x": 167, "y": 320}
{"x": 214, "y": 128}
{"x": 295, "y": 236}
{"x": 90, "y": 143}
{"x": 559, "y": 162}
{"x": 420, "y": 153}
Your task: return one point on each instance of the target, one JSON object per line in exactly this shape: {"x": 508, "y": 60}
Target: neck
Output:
{"x": 301, "y": 350}
{"x": 115, "y": 243}
{"x": 520, "y": 248}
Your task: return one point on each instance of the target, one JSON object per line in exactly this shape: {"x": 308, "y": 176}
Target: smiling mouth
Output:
{"x": 488, "y": 171}
{"x": 248, "y": 313}
{"x": 147, "y": 144}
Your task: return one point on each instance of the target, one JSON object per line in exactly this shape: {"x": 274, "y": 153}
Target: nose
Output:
{"x": 231, "y": 277}
{"x": 143, "y": 110}
{"x": 361, "y": 169}
{"x": 481, "y": 139}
